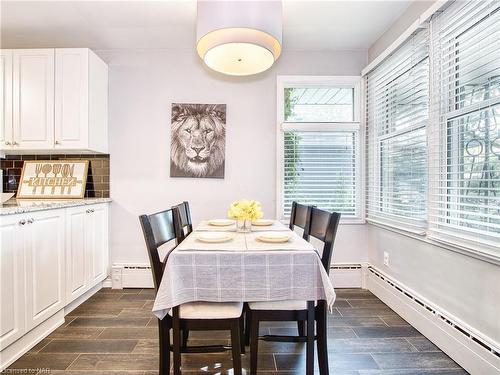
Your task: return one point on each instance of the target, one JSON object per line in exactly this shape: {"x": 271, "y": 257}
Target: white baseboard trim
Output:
{"x": 15, "y": 350}
{"x": 477, "y": 355}
{"x": 81, "y": 299}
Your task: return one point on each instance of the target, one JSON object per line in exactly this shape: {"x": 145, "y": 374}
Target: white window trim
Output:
{"x": 357, "y": 126}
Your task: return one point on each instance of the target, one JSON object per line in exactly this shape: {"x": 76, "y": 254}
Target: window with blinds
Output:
{"x": 465, "y": 133}
{"x": 319, "y": 144}
{"x": 320, "y": 169}
{"x": 397, "y": 114}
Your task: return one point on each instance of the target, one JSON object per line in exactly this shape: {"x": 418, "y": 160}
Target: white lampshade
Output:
{"x": 239, "y": 37}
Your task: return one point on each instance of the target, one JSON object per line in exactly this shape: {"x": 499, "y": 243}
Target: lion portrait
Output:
{"x": 198, "y": 140}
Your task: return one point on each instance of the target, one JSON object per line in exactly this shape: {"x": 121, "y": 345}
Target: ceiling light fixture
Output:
{"x": 239, "y": 38}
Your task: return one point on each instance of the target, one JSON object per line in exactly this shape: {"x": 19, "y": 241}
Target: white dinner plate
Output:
{"x": 262, "y": 222}
{"x": 274, "y": 237}
{"x": 221, "y": 222}
{"x": 214, "y": 237}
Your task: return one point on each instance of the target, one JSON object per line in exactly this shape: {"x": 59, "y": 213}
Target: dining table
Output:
{"x": 242, "y": 269}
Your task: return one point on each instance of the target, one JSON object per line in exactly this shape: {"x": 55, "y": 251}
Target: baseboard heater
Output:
{"x": 131, "y": 276}
{"x": 346, "y": 275}
{"x": 431, "y": 310}
{"x": 126, "y": 275}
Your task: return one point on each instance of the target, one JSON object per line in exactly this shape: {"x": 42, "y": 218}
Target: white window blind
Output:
{"x": 320, "y": 169}
{"x": 396, "y": 118}
{"x": 464, "y": 139}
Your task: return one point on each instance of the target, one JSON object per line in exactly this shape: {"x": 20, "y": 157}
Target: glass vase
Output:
{"x": 244, "y": 226}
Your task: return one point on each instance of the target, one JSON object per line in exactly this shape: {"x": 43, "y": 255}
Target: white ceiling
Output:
{"x": 101, "y": 25}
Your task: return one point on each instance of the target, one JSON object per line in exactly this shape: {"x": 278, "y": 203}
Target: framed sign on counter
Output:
{"x": 57, "y": 179}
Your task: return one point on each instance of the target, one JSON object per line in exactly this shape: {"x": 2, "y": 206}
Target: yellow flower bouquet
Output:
{"x": 244, "y": 211}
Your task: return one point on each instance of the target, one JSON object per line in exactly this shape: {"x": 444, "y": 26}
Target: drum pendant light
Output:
{"x": 239, "y": 38}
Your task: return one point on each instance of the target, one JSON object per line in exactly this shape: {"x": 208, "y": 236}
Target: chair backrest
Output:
{"x": 185, "y": 218}
{"x": 158, "y": 229}
{"x": 323, "y": 226}
{"x": 300, "y": 216}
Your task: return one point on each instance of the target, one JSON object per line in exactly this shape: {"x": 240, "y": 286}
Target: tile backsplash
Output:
{"x": 97, "y": 178}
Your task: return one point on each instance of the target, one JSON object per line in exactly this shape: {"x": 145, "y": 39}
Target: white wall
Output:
{"x": 143, "y": 84}
{"x": 460, "y": 285}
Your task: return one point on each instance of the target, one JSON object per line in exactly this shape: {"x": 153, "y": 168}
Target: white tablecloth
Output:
{"x": 242, "y": 270}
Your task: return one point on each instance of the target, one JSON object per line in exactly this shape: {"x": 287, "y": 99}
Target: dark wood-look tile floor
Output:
{"x": 114, "y": 332}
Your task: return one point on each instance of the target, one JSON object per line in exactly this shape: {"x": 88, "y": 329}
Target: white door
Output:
{"x": 5, "y": 99}
{"x": 12, "y": 306}
{"x": 33, "y": 99}
{"x": 97, "y": 240}
{"x": 45, "y": 265}
{"x": 71, "y": 98}
{"x": 76, "y": 264}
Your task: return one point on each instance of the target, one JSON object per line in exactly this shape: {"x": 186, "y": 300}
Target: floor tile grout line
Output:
{"x": 416, "y": 349}
{"x": 78, "y": 356}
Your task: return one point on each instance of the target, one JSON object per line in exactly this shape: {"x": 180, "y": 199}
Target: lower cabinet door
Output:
{"x": 12, "y": 307}
{"x": 76, "y": 253}
{"x": 45, "y": 265}
{"x": 97, "y": 243}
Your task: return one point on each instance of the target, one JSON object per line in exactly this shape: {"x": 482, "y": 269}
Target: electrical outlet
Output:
{"x": 386, "y": 258}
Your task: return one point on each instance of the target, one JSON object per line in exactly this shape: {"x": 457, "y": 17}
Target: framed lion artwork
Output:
{"x": 198, "y": 140}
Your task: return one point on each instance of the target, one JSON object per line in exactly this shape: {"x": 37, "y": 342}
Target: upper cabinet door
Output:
{"x": 5, "y": 99}
{"x": 72, "y": 98}
{"x": 33, "y": 99}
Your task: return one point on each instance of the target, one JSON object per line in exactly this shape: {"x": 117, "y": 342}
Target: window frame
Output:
{"x": 356, "y": 126}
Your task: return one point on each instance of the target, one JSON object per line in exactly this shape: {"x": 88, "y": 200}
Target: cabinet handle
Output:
{"x": 7, "y": 143}
{"x": 14, "y": 143}
{"x": 58, "y": 143}
{"x": 22, "y": 222}
{"x": 31, "y": 221}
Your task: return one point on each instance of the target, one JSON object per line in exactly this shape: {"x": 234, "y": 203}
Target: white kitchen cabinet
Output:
{"x": 12, "y": 281}
{"x": 5, "y": 98}
{"x": 48, "y": 259}
{"x": 45, "y": 265}
{"x": 76, "y": 253}
{"x": 86, "y": 248}
{"x": 97, "y": 237}
{"x": 53, "y": 100}
{"x": 81, "y": 94}
{"x": 33, "y": 99}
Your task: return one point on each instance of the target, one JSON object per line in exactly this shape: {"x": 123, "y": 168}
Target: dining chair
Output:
{"x": 185, "y": 219}
{"x": 322, "y": 226}
{"x": 300, "y": 216}
{"x": 162, "y": 228}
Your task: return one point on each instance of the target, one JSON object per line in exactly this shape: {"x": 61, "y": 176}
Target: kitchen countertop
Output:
{"x": 19, "y": 206}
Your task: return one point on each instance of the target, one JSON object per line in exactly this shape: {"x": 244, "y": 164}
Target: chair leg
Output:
{"x": 254, "y": 343}
{"x": 301, "y": 327}
{"x": 248, "y": 316}
{"x": 235, "y": 346}
{"x": 164, "y": 333}
{"x": 241, "y": 321}
{"x": 322, "y": 338}
{"x": 177, "y": 341}
{"x": 310, "y": 339}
